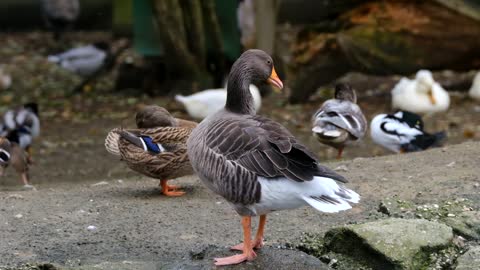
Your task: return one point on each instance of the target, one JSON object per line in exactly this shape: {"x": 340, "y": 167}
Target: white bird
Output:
{"x": 204, "y": 103}
{"x": 83, "y": 61}
{"x": 403, "y": 132}
{"x": 421, "y": 95}
{"x": 475, "y": 89}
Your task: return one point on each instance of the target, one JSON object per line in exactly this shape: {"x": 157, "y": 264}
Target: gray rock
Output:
{"x": 391, "y": 243}
{"x": 466, "y": 224}
{"x": 469, "y": 260}
{"x": 202, "y": 258}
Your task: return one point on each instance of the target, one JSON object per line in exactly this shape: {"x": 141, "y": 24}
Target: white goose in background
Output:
{"x": 475, "y": 89}
{"x": 204, "y": 103}
{"x": 83, "y": 61}
{"x": 422, "y": 95}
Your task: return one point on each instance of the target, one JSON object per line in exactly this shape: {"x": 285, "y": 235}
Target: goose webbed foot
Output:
{"x": 258, "y": 241}
{"x": 248, "y": 253}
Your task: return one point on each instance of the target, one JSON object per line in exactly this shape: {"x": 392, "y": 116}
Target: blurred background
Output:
{"x": 149, "y": 51}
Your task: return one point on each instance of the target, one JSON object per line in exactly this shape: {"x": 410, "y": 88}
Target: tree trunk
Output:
{"x": 385, "y": 37}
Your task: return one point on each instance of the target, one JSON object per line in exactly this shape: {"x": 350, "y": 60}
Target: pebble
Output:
{"x": 92, "y": 228}
{"x": 450, "y": 215}
{"x": 341, "y": 168}
{"x": 101, "y": 183}
{"x": 18, "y": 216}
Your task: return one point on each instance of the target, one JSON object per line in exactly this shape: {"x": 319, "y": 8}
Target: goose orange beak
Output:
{"x": 275, "y": 81}
{"x": 431, "y": 97}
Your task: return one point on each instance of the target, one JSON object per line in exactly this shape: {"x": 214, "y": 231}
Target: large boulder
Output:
{"x": 391, "y": 243}
{"x": 467, "y": 224}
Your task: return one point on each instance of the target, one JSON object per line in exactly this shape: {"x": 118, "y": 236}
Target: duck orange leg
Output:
{"x": 170, "y": 190}
{"x": 248, "y": 253}
{"x": 258, "y": 241}
{"x": 340, "y": 152}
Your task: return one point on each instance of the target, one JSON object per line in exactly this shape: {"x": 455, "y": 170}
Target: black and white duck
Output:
{"x": 340, "y": 120}
{"x": 83, "y": 61}
{"x": 403, "y": 132}
{"x": 255, "y": 163}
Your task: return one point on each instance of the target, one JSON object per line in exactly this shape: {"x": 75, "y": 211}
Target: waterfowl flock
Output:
{"x": 255, "y": 163}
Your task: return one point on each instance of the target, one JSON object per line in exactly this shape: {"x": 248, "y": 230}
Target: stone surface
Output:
{"x": 390, "y": 243}
{"x": 466, "y": 224}
{"x": 203, "y": 258}
{"x": 469, "y": 260}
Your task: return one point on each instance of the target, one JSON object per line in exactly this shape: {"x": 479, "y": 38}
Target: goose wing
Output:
{"x": 265, "y": 148}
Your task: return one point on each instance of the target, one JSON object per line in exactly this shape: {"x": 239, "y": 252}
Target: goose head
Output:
{"x": 252, "y": 67}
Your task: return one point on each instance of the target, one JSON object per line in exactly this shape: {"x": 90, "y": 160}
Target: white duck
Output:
{"x": 204, "y": 103}
{"x": 475, "y": 89}
{"x": 83, "y": 61}
{"x": 421, "y": 95}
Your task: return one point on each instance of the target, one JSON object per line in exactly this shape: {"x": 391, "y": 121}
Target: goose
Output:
{"x": 255, "y": 163}
{"x": 475, "y": 89}
{"x": 83, "y": 61}
{"x": 60, "y": 14}
{"x": 21, "y": 125}
{"x": 12, "y": 154}
{"x": 403, "y": 132}
{"x": 422, "y": 95}
{"x": 204, "y": 103}
{"x": 156, "y": 148}
{"x": 340, "y": 121}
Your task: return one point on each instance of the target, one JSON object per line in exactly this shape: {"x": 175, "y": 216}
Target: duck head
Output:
{"x": 425, "y": 84}
{"x": 343, "y": 91}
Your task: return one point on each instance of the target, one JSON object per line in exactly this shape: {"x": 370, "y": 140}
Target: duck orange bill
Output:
{"x": 431, "y": 97}
{"x": 275, "y": 81}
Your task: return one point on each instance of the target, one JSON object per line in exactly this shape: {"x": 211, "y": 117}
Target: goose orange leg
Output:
{"x": 258, "y": 241}
{"x": 248, "y": 253}
{"x": 170, "y": 190}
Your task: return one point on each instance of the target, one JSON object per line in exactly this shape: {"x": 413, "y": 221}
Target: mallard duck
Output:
{"x": 207, "y": 102}
{"x": 475, "y": 89}
{"x": 12, "y": 154}
{"x": 156, "y": 149}
{"x": 255, "y": 163}
{"x": 403, "y": 132}
{"x": 339, "y": 120}
{"x": 22, "y": 125}
{"x": 83, "y": 61}
{"x": 421, "y": 95}
{"x": 60, "y": 14}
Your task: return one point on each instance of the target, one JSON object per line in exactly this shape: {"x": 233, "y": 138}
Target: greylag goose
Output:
{"x": 255, "y": 163}
{"x": 403, "y": 132}
{"x": 156, "y": 149}
{"x": 339, "y": 120}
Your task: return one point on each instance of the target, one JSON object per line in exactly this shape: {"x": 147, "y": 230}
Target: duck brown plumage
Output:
{"x": 167, "y": 159}
{"x": 11, "y": 154}
{"x": 257, "y": 164}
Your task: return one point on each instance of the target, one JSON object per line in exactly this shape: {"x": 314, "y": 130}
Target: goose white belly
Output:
{"x": 283, "y": 194}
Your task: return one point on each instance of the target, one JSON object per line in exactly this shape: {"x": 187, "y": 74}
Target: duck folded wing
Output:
{"x": 164, "y": 135}
{"x": 266, "y": 149}
{"x": 347, "y": 116}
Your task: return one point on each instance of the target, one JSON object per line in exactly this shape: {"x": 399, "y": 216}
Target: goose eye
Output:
{"x": 269, "y": 62}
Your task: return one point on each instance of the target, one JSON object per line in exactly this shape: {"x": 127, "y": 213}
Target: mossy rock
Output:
{"x": 469, "y": 260}
{"x": 467, "y": 224}
{"x": 391, "y": 243}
